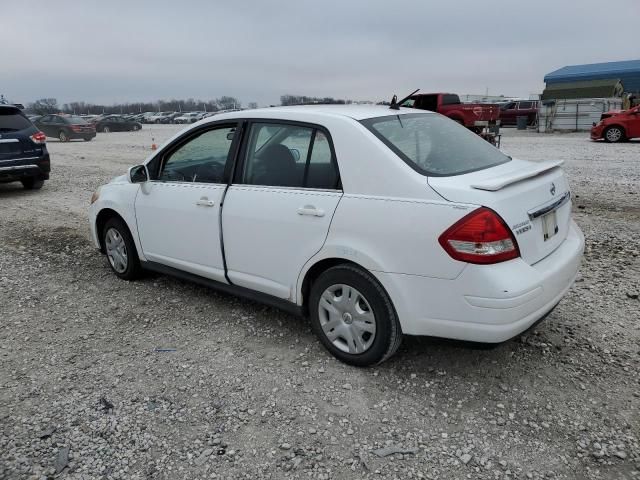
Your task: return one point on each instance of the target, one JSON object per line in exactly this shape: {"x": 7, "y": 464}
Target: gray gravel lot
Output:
{"x": 239, "y": 390}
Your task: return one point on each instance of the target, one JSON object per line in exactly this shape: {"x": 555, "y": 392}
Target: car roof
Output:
{"x": 316, "y": 112}
{"x": 10, "y": 107}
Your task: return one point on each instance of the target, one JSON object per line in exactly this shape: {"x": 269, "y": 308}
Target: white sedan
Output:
{"x": 372, "y": 222}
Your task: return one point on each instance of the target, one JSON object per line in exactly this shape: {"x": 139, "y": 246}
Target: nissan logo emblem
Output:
{"x": 553, "y": 189}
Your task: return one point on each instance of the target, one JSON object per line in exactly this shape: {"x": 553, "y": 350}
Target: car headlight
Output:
{"x": 95, "y": 196}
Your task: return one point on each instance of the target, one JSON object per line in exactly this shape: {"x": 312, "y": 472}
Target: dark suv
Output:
{"x": 23, "y": 152}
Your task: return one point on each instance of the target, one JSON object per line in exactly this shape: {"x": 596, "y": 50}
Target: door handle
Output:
{"x": 311, "y": 211}
{"x": 205, "y": 202}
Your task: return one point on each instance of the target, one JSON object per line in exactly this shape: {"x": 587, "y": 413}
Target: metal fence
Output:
{"x": 574, "y": 114}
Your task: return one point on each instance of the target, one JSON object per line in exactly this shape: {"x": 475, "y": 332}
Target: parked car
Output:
{"x": 66, "y": 128}
{"x": 158, "y": 117}
{"x": 23, "y": 151}
{"x": 190, "y": 117}
{"x": 617, "y": 126}
{"x": 474, "y": 116}
{"x": 510, "y": 111}
{"x": 372, "y": 222}
{"x": 115, "y": 123}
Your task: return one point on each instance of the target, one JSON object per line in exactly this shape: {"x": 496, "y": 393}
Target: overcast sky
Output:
{"x": 114, "y": 51}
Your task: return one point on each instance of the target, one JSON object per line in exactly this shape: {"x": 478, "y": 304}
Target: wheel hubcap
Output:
{"x": 116, "y": 250}
{"x": 346, "y": 318}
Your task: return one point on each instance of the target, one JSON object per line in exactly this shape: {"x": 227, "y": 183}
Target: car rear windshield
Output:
{"x": 77, "y": 120}
{"x": 12, "y": 121}
{"x": 435, "y": 145}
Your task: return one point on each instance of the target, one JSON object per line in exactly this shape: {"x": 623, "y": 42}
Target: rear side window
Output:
{"x": 12, "y": 121}
{"x": 282, "y": 155}
{"x": 450, "y": 99}
{"x": 435, "y": 145}
{"x": 525, "y": 105}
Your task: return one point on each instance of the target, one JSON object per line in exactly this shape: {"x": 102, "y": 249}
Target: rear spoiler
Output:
{"x": 497, "y": 183}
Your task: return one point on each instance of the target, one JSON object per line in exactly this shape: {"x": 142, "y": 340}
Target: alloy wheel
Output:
{"x": 614, "y": 134}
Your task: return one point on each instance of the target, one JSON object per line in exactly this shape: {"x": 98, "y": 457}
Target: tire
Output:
{"x": 105, "y": 129}
{"x": 62, "y": 136}
{"x": 614, "y": 134}
{"x": 88, "y": 139}
{"x": 135, "y": 128}
{"x": 120, "y": 250}
{"x": 32, "y": 184}
{"x": 379, "y": 334}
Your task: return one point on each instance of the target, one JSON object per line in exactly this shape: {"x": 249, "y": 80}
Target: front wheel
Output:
{"x": 62, "y": 136}
{"x": 121, "y": 250}
{"x": 105, "y": 129}
{"x": 614, "y": 134}
{"x": 135, "y": 128}
{"x": 87, "y": 139}
{"x": 353, "y": 316}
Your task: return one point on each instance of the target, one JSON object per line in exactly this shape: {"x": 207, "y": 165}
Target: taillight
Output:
{"x": 76, "y": 128}
{"x": 480, "y": 237}
{"x": 39, "y": 138}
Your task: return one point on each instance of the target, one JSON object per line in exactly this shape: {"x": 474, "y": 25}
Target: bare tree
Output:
{"x": 44, "y": 106}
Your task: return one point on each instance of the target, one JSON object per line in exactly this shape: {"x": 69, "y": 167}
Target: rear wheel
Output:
{"x": 32, "y": 184}
{"x": 614, "y": 134}
{"x": 62, "y": 136}
{"x": 135, "y": 128}
{"x": 353, "y": 316}
{"x": 121, "y": 250}
{"x": 105, "y": 129}
{"x": 87, "y": 139}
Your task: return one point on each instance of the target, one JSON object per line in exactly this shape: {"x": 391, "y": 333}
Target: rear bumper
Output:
{"x": 486, "y": 123}
{"x": 19, "y": 169}
{"x": 78, "y": 135}
{"x": 486, "y": 303}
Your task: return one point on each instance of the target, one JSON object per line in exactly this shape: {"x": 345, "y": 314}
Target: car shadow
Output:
{"x": 15, "y": 189}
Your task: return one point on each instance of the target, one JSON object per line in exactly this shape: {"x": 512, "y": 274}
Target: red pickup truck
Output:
{"x": 474, "y": 116}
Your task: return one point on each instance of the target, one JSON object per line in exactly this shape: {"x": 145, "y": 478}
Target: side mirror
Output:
{"x": 138, "y": 174}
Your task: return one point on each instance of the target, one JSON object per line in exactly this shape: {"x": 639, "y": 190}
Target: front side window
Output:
{"x": 435, "y": 145}
{"x": 281, "y": 155}
{"x": 201, "y": 159}
{"x": 525, "y": 105}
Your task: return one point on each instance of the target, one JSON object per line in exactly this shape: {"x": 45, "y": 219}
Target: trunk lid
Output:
{"x": 532, "y": 198}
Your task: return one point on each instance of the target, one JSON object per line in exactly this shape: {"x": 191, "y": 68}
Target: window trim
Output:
{"x": 242, "y": 155}
{"x": 179, "y": 142}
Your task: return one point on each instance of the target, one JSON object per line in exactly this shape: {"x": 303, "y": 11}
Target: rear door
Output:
{"x": 278, "y": 210}
{"x": 178, "y": 212}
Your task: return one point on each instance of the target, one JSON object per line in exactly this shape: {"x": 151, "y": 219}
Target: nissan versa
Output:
{"x": 373, "y": 222}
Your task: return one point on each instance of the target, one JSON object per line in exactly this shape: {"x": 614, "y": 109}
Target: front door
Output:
{"x": 278, "y": 211}
{"x": 178, "y": 212}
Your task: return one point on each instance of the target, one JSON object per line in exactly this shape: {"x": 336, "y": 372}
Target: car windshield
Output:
{"x": 435, "y": 145}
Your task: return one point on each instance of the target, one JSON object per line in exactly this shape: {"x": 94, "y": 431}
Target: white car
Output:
{"x": 372, "y": 222}
{"x": 190, "y": 117}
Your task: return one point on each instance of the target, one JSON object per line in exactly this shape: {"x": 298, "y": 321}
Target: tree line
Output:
{"x": 45, "y": 106}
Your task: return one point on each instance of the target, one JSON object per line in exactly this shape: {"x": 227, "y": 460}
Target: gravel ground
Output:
{"x": 161, "y": 379}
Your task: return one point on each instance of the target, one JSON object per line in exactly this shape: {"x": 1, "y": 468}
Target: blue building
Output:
{"x": 626, "y": 72}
